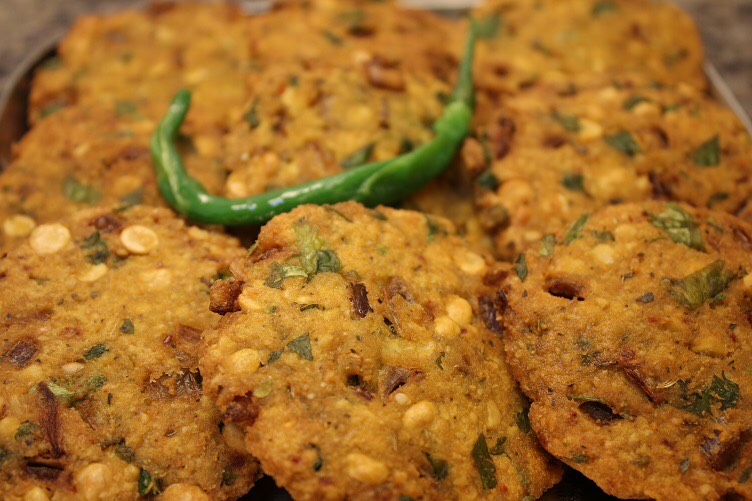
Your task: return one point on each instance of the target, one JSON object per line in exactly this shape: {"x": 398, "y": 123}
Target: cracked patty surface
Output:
{"x": 632, "y": 333}
{"x": 357, "y": 356}
{"x": 101, "y": 395}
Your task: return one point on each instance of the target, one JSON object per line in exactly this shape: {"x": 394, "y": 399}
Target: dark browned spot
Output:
{"x": 223, "y": 296}
{"x": 134, "y": 152}
{"x": 22, "y": 352}
{"x": 396, "y": 286}
{"x": 393, "y": 377}
{"x": 599, "y": 412}
{"x": 661, "y": 135}
{"x": 491, "y": 309}
{"x": 384, "y": 75}
{"x": 554, "y": 141}
{"x": 495, "y": 276}
{"x": 260, "y": 254}
{"x": 723, "y": 455}
{"x": 565, "y": 289}
{"x": 47, "y": 472}
{"x": 742, "y": 237}
{"x": 500, "y": 137}
{"x": 188, "y": 383}
{"x": 242, "y": 410}
{"x": 359, "y": 299}
{"x": 106, "y": 223}
{"x": 155, "y": 389}
{"x": 357, "y": 384}
{"x": 661, "y": 187}
{"x": 48, "y": 418}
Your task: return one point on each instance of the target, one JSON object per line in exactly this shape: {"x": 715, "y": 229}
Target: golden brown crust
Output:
{"x": 558, "y": 150}
{"x": 101, "y": 394}
{"x": 537, "y": 40}
{"x": 637, "y": 349}
{"x": 374, "y": 377}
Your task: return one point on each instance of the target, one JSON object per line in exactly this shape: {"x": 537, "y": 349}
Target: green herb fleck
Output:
{"x": 96, "y": 381}
{"x": 127, "y": 326}
{"x": 358, "y": 157}
{"x": 586, "y": 398}
{"x": 745, "y": 475}
{"x": 680, "y": 226}
{"x": 580, "y": 458}
{"x": 603, "y": 7}
{"x": 634, "y": 101}
{"x": 96, "y": 247}
{"x": 708, "y": 154}
{"x": 130, "y": 199}
{"x": 696, "y": 288}
{"x": 523, "y": 420}
{"x": 439, "y": 467}
{"x": 331, "y": 209}
{"x": 499, "y": 448}
{"x": 575, "y": 230}
{"x": 281, "y": 272}
{"x": 573, "y": 182}
{"x": 725, "y": 391}
{"x": 604, "y": 236}
{"x": 314, "y": 257}
{"x": 433, "y": 228}
{"x": 228, "y": 476}
{"x": 520, "y": 267}
{"x": 273, "y": 356}
{"x": 484, "y": 463}
{"x": 25, "y": 429}
{"x": 147, "y": 486}
{"x": 334, "y": 39}
{"x": 684, "y": 466}
{"x": 548, "y": 244}
{"x": 124, "y": 452}
{"x": 126, "y": 109}
{"x": 440, "y": 359}
{"x": 624, "y": 142}
{"x": 487, "y": 180}
{"x": 570, "y": 122}
{"x": 312, "y": 306}
{"x": 302, "y": 346}
{"x": 60, "y": 392}
{"x": 95, "y": 351}
{"x": 264, "y": 388}
{"x": 648, "y": 297}
{"x": 77, "y": 192}
{"x": 251, "y": 115}
{"x": 50, "y": 109}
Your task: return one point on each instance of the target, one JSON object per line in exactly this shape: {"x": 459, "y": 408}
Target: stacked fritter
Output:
{"x": 363, "y": 352}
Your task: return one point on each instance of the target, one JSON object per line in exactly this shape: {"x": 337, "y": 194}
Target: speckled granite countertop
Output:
{"x": 726, "y": 27}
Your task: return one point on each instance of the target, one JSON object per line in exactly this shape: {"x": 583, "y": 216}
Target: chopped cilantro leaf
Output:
{"x": 684, "y": 466}
{"x": 499, "y": 448}
{"x": 573, "y": 182}
{"x": 301, "y": 345}
{"x": 575, "y": 230}
{"x": 439, "y": 467}
{"x": 127, "y": 326}
{"x": 484, "y": 463}
{"x": 696, "y": 288}
{"x": 570, "y": 122}
{"x": 96, "y": 247}
{"x": 251, "y": 115}
{"x": 77, "y": 192}
{"x": 281, "y": 272}
{"x": 487, "y": 180}
{"x": 548, "y": 244}
{"x": 680, "y": 226}
{"x": 273, "y": 356}
{"x": 358, "y": 157}
{"x": 648, "y": 297}
{"x": 520, "y": 267}
{"x": 148, "y": 486}
{"x": 580, "y": 458}
{"x": 708, "y": 154}
{"x": 95, "y": 351}
{"x": 624, "y": 142}
{"x": 634, "y": 101}
{"x": 488, "y": 27}
{"x": 60, "y": 392}
{"x": 523, "y": 420}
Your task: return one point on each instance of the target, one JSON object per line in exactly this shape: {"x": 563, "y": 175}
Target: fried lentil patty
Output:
{"x": 632, "y": 333}
{"x": 532, "y": 39}
{"x": 355, "y": 356}
{"x": 558, "y": 150}
{"x": 85, "y": 156}
{"x": 101, "y": 395}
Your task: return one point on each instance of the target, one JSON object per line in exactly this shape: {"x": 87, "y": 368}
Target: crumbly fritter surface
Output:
{"x": 85, "y": 156}
{"x": 533, "y": 39}
{"x": 101, "y": 395}
{"x": 356, "y": 358}
{"x": 557, "y": 150}
{"x": 632, "y": 333}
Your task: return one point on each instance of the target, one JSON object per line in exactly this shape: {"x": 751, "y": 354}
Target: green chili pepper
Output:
{"x": 371, "y": 184}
